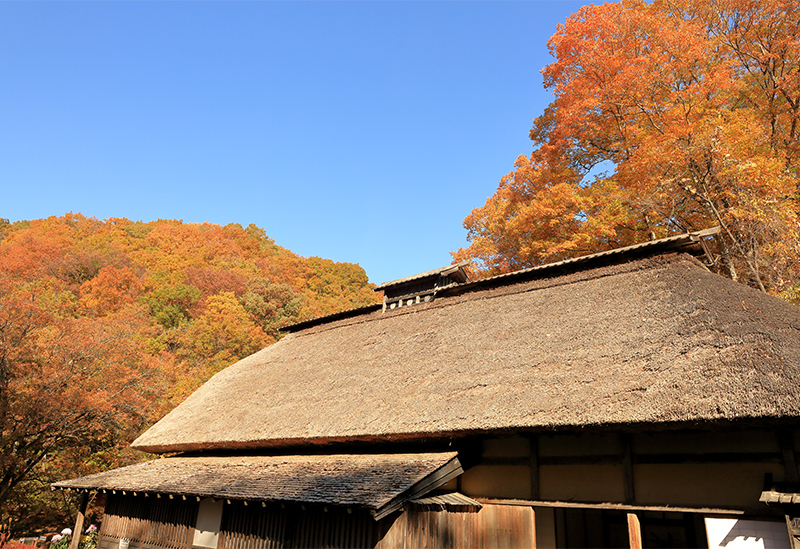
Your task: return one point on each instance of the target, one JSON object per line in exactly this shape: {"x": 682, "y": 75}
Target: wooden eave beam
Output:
{"x": 609, "y": 506}
{"x": 441, "y": 476}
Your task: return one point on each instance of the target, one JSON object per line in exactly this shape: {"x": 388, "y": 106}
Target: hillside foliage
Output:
{"x": 107, "y": 325}
{"x": 668, "y": 116}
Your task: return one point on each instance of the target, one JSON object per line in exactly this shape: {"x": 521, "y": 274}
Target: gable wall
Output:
{"x": 722, "y": 469}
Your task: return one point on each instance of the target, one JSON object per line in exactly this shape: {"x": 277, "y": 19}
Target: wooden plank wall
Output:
{"x": 269, "y": 527}
{"x": 152, "y": 521}
{"x": 493, "y": 527}
{"x": 336, "y": 529}
{"x": 250, "y": 527}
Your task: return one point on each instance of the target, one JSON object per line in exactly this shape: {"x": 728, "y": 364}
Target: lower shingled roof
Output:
{"x": 378, "y": 482}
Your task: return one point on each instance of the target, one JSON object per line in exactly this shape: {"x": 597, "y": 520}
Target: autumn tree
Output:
{"x": 110, "y": 290}
{"x": 667, "y": 116}
{"x": 65, "y": 381}
{"x": 271, "y": 305}
{"x": 170, "y": 299}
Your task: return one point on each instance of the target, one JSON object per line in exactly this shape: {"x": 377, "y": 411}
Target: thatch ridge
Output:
{"x": 659, "y": 340}
{"x": 691, "y": 243}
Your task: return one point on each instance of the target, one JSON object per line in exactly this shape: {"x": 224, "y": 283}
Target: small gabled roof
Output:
{"x": 622, "y": 339}
{"x": 456, "y": 271}
{"x": 380, "y": 483}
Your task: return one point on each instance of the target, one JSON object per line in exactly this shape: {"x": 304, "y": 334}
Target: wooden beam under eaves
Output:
{"x": 442, "y": 475}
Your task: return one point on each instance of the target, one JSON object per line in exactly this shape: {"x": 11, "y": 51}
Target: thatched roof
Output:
{"x": 654, "y": 340}
{"x": 379, "y": 483}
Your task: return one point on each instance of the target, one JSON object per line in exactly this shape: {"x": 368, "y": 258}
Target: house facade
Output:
{"x": 628, "y": 398}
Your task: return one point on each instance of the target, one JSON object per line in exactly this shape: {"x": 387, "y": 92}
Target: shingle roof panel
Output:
{"x": 370, "y": 481}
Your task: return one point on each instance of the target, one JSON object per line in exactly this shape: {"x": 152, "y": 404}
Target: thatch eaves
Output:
{"x": 657, "y": 340}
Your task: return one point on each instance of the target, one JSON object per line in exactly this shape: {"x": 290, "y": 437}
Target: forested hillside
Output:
{"x": 107, "y": 325}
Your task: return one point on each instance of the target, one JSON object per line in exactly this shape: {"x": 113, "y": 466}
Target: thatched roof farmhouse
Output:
{"x": 623, "y": 398}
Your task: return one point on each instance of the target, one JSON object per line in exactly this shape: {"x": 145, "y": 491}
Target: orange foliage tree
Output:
{"x": 66, "y": 382}
{"x": 667, "y": 116}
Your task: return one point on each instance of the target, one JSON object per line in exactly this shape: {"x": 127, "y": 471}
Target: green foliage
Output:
{"x": 63, "y": 543}
{"x": 270, "y": 304}
{"x": 792, "y": 294}
{"x": 170, "y": 302}
{"x": 4, "y": 227}
{"x": 89, "y": 541}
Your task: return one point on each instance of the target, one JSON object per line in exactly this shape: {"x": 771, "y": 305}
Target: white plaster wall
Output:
{"x": 209, "y": 517}
{"x": 731, "y": 533}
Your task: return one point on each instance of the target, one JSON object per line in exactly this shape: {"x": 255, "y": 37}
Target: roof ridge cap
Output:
{"x": 456, "y": 290}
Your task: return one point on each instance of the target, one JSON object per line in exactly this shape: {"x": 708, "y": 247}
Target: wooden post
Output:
{"x": 634, "y": 531}
{"x": 794, "y": 541}
{"x": 627, "y": 469}
{"x": 534, "y": 465}
{"x": 787, "y": 453}
{"x": 76, "y": 532}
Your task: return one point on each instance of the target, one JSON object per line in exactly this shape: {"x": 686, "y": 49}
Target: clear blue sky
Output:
{"x": 356, "y": 131}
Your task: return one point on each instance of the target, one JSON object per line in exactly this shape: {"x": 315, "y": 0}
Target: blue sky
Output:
{"x": 356, "y": 131}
